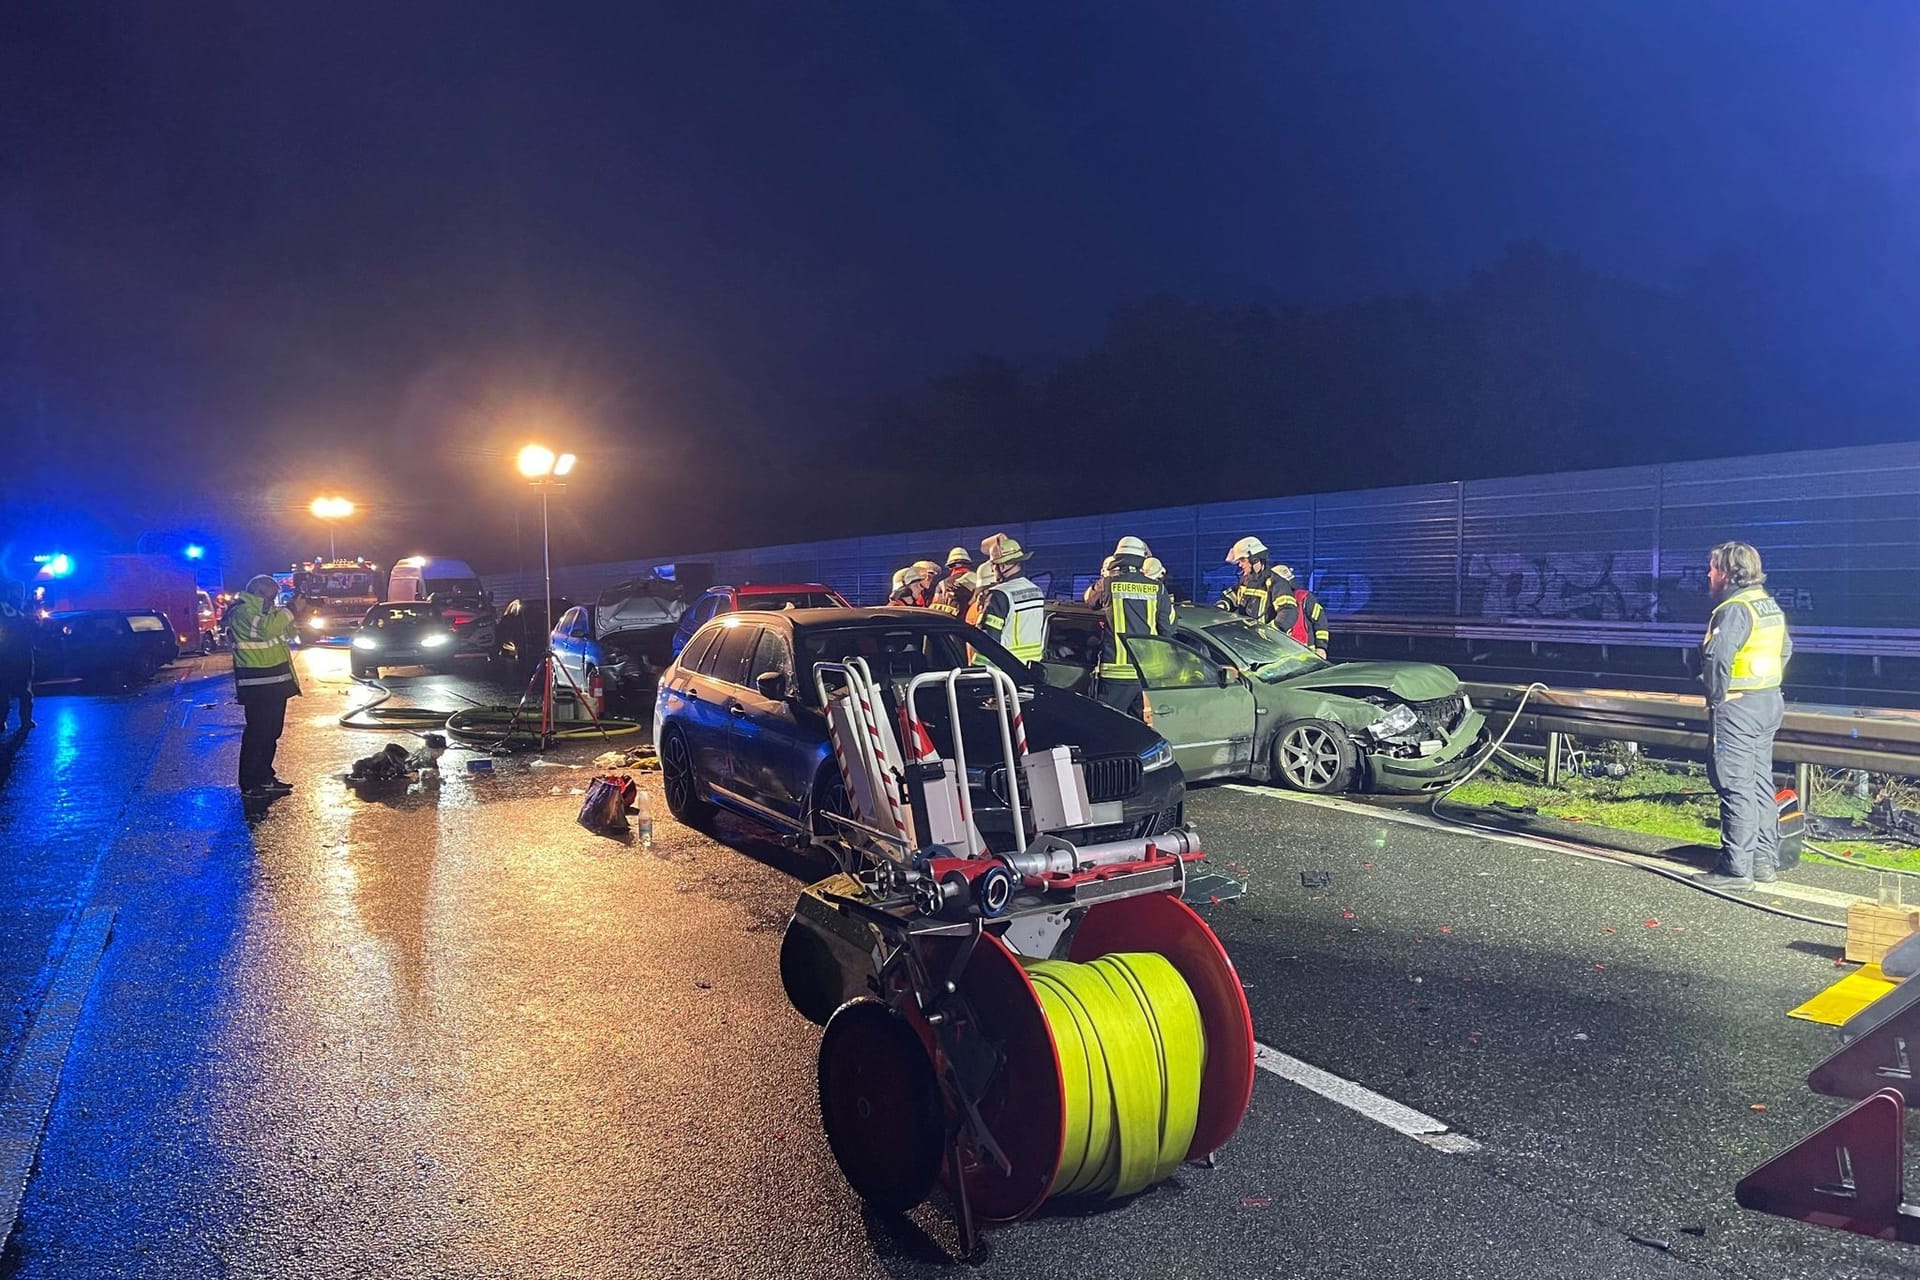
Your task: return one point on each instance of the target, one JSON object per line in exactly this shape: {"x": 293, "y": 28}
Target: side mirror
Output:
{"x": 772, "y": 685}
{"x": 1229, "y": 676}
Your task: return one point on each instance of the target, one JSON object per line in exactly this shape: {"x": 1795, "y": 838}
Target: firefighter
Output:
{"x": 1256, "y": 597}
{"x": 903, "y": 588}
{"x": 1743, "y": 658}
{"x": 1299, "y": 613}
{"x": 1107, "y": 567}
{"x": 263, "y": 679}
{"x": 926, "y": 580}
{"x": 954, "y": 592}
{"x": 1007, "y": 605}
{"x": 18, "y": 628}
{"x": 1134, "y": 605}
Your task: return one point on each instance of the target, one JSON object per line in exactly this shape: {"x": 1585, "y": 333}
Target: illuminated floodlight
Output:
{"x": 563, "y": 464}
{"x": 536, "y": 462}
{"x": 331, "y": 508}
{"x": 195, "y": 551}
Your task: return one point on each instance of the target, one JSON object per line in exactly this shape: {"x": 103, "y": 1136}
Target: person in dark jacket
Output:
{"x": 17, "y": 630}
{"x": 1743, "y": 659}
{"x": 1298, "y": 611}
{"x": 263, "y": 680}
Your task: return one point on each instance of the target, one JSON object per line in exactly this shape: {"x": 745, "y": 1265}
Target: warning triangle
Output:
{"x": 1881, "y": 1058}
{"x": 1848, "y": 1174}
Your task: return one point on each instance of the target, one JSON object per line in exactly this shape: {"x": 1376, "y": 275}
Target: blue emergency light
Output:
{"x": 57, "y": 565}
{"x": 195, "y": 551}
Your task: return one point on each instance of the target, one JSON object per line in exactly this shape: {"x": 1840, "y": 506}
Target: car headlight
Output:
{"x": 435, "y": 640}
{"x": 363, "y": 642}
{"x": 316, "y": 624}
{"x": 1158, "y": 756}
{"x": 1397, "y": 721}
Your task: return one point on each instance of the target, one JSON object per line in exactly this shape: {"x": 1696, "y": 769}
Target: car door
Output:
{"x": 772, "y": 764}
{"x": 723, "y": 669}
{"x": 566, "y": 646}
{"x": 1204, "y": 710}
{"x": 1070, "y": 652}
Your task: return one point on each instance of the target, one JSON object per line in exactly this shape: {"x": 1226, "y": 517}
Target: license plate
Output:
{"x": 1106, "y": 813}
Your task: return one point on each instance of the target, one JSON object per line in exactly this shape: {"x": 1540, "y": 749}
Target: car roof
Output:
{"x": 836, "y": 618}
{"x": 770, "y": 588}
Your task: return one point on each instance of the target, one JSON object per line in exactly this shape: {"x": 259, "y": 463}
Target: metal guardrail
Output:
{"x": 1858, "y": 642}
{"x": 1878, "y": 739}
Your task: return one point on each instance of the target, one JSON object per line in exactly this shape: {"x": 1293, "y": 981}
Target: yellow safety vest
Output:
{"x": 1759, "y": 663}
{"x": 1022, "y": 628}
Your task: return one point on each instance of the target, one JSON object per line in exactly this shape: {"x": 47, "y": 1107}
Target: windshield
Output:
{"x": 335, "y": 583}
{"x": 397, "y": 615}
{"x": 453, "y": 586}
{"x": 1268, "y": 652}
{"x": 774, "y": 601}
{"x": 904, "y": 651}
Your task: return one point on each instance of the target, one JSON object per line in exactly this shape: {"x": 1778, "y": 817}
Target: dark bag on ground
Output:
{"x": 604, "y": 810}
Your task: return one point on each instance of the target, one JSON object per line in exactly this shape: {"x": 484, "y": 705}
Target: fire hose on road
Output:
{"x": 498, "y": 727}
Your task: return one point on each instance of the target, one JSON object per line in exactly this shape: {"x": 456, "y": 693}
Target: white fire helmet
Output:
{"x": 1131, "y": 546}
{"x": 1153, "y": 568}
{"x": 1247, "y": 549}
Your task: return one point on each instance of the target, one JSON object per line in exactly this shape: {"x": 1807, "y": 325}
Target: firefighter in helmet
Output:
{"x": 1134, "y": 605}
{"x": 954, "y": 592}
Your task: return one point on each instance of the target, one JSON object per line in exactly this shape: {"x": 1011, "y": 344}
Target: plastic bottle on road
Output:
{"x": 643, "y": 818}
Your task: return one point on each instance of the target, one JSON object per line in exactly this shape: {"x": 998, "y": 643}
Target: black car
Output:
{"x": 738, "y": 723}
{"x": 155, "y": 630}
{"x": 403, "y": 634}
{"x": 520, "y": 635}
{"x": 96, "y": 645}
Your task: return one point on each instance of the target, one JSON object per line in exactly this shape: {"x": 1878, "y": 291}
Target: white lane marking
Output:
{"x": 1779, "y": 889}
{"x": 1377, "y": 1107}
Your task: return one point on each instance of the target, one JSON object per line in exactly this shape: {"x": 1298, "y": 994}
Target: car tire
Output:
{"x": 829, "y": 796}
{"x": 680, "y": 782}
{"x": 1314, "y": 755}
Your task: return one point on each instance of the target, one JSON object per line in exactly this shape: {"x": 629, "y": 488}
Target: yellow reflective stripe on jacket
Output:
{"x": 1759, "y": 663}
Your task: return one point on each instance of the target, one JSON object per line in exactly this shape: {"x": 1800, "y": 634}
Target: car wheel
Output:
{"x": 829, "y": 796}
{"x": 1314, "y": 755}
{"x": 680, "y": 783}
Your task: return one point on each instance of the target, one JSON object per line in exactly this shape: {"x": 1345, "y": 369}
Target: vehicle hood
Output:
{"x": 635, "y": 613}
{"x": 1410, "y": 681}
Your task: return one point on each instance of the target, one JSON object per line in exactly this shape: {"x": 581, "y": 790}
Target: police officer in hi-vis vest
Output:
{"x": 1743, "y": 658}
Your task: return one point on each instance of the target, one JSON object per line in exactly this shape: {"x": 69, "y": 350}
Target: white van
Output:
{"x": 418, "y": 577}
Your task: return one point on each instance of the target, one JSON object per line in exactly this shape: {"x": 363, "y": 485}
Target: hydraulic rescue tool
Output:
{"x": 1053, "y": 1020}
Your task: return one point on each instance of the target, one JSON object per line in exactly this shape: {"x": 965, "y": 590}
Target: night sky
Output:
{"x": 251, "y": 252}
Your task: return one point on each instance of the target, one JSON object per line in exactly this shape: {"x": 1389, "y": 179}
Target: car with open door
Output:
{"x": 1238, "y": 699}
{"x": 739, "y": 724}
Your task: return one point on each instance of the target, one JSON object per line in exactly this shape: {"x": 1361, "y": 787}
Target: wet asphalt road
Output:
{"x": 454, "y": 1034}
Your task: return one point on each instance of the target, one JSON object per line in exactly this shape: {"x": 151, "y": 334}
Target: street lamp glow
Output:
{"x": 563, "y": 464}
{"x": 536, "y": 461}
{"x": 195, "y": 551}
{"x": 331, "y": 508}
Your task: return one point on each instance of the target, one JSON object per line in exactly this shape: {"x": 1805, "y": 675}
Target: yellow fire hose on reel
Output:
{"x": 1132, "y": 1050}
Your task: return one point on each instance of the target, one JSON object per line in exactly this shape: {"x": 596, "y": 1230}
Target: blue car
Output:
{"x": 738, "y": 724}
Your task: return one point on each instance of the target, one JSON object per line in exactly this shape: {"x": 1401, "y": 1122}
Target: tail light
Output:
{"x": 458, "y": 619}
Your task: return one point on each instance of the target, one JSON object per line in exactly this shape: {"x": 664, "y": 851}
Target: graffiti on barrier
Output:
{"x": 1574, "y": 584}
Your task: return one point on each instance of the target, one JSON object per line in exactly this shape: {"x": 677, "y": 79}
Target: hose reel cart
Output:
{"x": 1050, "y": 1021}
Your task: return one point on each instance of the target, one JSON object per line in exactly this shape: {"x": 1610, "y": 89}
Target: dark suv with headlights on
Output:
{"x": 738, "y": 724}
{"x": 402, "y": 634}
